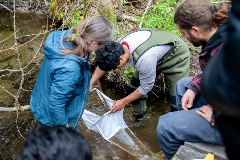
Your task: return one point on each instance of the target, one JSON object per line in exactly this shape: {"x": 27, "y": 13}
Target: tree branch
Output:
{"x": 146, "y": 10}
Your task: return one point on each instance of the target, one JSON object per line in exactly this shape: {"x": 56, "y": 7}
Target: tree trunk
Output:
{"x": 106, "y": 9}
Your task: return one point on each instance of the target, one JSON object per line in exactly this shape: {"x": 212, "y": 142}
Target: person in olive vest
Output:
{"x": 150, "y": 52}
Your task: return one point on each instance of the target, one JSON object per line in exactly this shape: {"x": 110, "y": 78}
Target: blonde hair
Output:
{"x": 92, "y": 29}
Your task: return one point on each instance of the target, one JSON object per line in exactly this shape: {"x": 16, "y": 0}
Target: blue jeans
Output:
{"x": 175, "y": 128}
{"x": 181, "y": 89}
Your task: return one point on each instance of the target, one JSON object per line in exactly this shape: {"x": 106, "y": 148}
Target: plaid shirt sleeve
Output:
{"x": 205, "y": 57}
{"x": 194, "y": 85}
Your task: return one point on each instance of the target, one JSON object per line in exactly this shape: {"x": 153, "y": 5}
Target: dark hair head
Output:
{"x": 107, "y": 57}
{"x": 201, "y": 13}
{"x": 58, "y": 142}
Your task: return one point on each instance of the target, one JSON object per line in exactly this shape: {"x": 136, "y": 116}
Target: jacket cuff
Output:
{"x": 192, "y": 88}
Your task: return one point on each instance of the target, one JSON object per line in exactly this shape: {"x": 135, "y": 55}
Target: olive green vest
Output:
{"x": 158, "y": 37}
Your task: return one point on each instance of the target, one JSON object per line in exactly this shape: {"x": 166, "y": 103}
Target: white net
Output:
{"x": 107, "y": 124}
{"x": 113, "y": 128}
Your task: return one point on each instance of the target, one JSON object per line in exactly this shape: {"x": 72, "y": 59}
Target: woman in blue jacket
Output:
{"x": 61, "y": 90}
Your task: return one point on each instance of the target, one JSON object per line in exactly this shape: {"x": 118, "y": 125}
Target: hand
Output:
{"x": 98, "y": 73}
{"x": 206, "y": 112}
{"x": 118, "y": 105}
{"x": 67, "y": 126}
{"x": 187, "y": 99}
{"x": 90, "y": 88}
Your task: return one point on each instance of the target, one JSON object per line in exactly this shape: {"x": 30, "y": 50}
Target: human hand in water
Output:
{"x": 206, "y": 112}
{"x": 187, "y": 99}
{"x": 118, "y": 105}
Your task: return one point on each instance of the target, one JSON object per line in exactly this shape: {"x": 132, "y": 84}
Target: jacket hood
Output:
{"x": 55, "y": 43}
{"x": 218, "y": 38}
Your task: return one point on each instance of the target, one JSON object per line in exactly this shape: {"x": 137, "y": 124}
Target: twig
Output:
{"x": 10, "y": 70}
{"x": 6, "y": 7}
{"x": 146, "y": 10}
{"x": 222, "y": 2}
{"x": 20, "y": 66}
{"x": 35, "y": 56}
{"x": 131, "y": 18}
{"x": 12, "y": 109}
{"x": 164, "y": 87}
{"x": 8, "y": 37}
{"x": 154, "y": 93}
{"x": 7, "y": 91}
{"x": 16, "y": 47}
{"x": 38, "y": 64}
{"x": 46, "y": 3}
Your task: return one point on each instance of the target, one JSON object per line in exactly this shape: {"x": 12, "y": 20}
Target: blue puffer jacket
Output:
{"x": 61, "y": 90}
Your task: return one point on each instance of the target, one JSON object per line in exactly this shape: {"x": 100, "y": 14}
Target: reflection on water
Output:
{"x": 113, "y": 128}
{"x": 11, "y": 131}
{"x": 14, "y": 127}
{"x": 127, "y": 141}
{"x": 142, "y": 136}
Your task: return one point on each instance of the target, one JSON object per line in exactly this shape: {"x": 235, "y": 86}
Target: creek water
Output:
{"x": 142, "y": 134}
{"x": 15, "y": 126}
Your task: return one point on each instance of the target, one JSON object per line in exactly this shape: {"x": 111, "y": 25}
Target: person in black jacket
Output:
{"x": 203, "y": 24}
{"x": 220, "y": 85}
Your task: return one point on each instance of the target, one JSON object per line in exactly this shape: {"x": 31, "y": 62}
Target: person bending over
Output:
{"x": 150, "y": 52}
{"x": 61, "y": 90}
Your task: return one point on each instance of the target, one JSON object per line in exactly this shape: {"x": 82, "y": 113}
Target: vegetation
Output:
{"x": 126, "y": 16}
{"x": 22, "y": 39}
{"x": 70, "y": 12}
{"x": 161, "y": 16}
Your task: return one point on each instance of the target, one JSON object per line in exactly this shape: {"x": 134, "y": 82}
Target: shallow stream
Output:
{"x": 14, "y": 126}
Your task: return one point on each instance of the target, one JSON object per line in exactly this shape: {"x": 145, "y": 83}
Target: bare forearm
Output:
{"x": 120, "y": 104}
{"x": 98, "y": 73}
{"x": 133, "y": 96}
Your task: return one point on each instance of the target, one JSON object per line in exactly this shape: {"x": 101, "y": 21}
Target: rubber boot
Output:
{"x": 173, "y": 107}
{"x": 139, "y": 109}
